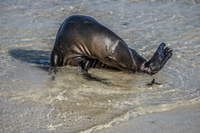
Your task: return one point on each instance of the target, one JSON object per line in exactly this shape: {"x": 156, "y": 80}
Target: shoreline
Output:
{"x": 184, "y": 119}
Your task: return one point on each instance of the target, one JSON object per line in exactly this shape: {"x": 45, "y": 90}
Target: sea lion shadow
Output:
{"x": 39, "y": 58}
{"x": 91, "y": 77}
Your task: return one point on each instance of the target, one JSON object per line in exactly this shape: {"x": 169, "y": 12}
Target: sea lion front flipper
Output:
{"x": 159, "y": 59}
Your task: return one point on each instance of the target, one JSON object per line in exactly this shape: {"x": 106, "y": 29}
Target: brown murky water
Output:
{"x": 34, "y": 98}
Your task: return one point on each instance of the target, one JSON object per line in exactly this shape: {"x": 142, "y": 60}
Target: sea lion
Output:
{"x": 82, "y": 41}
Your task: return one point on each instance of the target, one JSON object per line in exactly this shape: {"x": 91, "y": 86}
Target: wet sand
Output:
{"x": 36, "y": 99}
{"x": 183, "y": 119}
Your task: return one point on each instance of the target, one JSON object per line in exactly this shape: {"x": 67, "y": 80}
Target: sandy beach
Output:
{"x": 34, "y": 98}
{"x": 183, "y": 119}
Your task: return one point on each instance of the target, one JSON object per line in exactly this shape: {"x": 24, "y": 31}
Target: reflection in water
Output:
{"x": 66, "y": 99}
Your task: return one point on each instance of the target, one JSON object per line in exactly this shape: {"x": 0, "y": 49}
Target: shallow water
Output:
{"x": 34, "y": 98}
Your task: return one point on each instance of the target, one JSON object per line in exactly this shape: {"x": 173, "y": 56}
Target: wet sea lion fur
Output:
{"x": 82, "y": 41}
